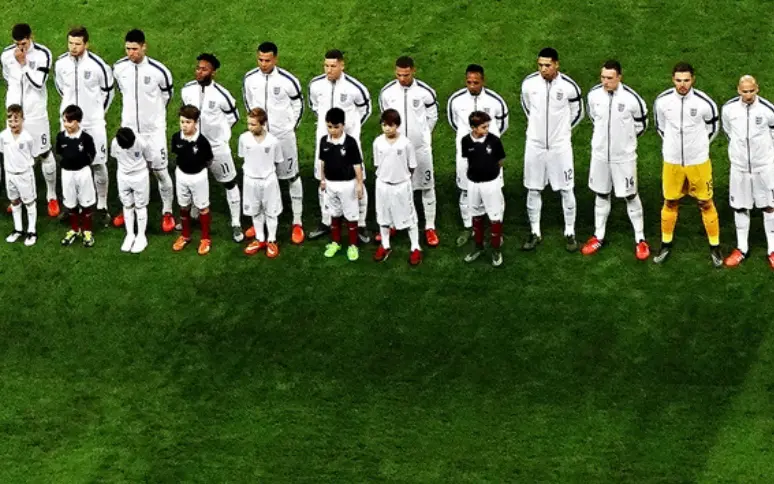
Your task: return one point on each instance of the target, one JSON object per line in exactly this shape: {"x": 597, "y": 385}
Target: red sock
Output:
{"x": 336, "y": 229}
{"x": 352, "y": 232}
{"x": 204, "y": 220}
{"x": 86, "y": 219}
{"x": 185, "y": 215}
{"x": 74, "y": 220}
{"x": 497, "y": 234}
{"x": 478, "y": 231}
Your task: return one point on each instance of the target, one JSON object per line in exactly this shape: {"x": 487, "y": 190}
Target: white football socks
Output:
{"x": 385, "y": 233}
{"x": 234, "y": 205}
{"x": 296, "y": 189}
{"x": 363, "y": 206}
{"x": 601, "y": 212}
{"x": 534, "y": 207}
{"x": 413, "y": 232}
{"x": 271, "y": 227}
{"x": 742, "y": 222}
{"x": 32, "y": 217}
{"x": 428, "y": 203}
{"x": 258, "y": 221}
{"x": 16, "y": 212}
{"x": 467, "y": 218}
{"x": 48, "y": 167}
{"x": 101, "y": 181}
{"x": 569, "y": 207}
{"x": 129, "y": 220}
{"x": 768, "y": 225}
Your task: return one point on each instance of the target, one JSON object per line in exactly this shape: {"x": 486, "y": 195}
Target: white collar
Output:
{"x": 193, "y": 137}
{"x": 75, "y": 135}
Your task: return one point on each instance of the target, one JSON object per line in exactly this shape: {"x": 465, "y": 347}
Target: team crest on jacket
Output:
{"x": 694, "y": 111}
{"x": 487, "y": 110}
{"x": 87, "y": 75}
{"x": 80, "y": 146}
{"x": 343, "y": 97}
{"x": 559, "y": 96}
{"x": 21, "y": 146}
{"x": 343, "y": 151}
{"x": 32, "y": 65}
{"x": 137, "y": 154}
{"x": 195, "y": 149}
{"x": 276, "y": 90}
{"x": 416, "y": 103}
{"x": 758, "y": 119}
{"x": 488, "y": 150}
{"x": 267, "y": 149}
{"x": 212, "y": 104}
{"x": 621, "y": 107}
{"x": 147, "y": 80}
{"x": 400, "y": 152}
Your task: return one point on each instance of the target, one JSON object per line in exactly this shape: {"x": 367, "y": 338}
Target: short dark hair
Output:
{"x": 335, "y": 116}
{"x": 550, "y": 53}
{"x": 258, "y": 114}
{"x": 211, "y": 59}
{"x": 404, "y": 62}
{"x": 477, "y": 118}
{"x": 79, "y": 31}
{"x": 390, "y": 117}
{"x": 189, "y": 111}
{"x": 72, "y": 113}
{"x": 125, "y": 138}
{"x": 682, "y": 67}
{"x": 612, "y": 64}
{"x": 21, "y": 32}
{"x": 474, "y": 69}
{"x": 14, "y": 109}
{"x": 267, "y": 47}
{"x": 135, "y": 35}
{"x": 335, "y": 54}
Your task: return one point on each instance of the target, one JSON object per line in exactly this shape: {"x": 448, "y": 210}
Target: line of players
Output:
{"x": 686, "y": 118}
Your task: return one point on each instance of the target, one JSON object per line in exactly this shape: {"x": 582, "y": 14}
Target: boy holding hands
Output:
{"x": 77, "y": 151}
{"x": 341, "y": 179}
{"x": 395, "y": 161}
{"x": 485, "y": 155}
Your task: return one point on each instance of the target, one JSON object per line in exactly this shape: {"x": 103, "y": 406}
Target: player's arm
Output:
{"x": 38, "y": 76}
{"x": 359, "y": 180}
{"x": 166, "y": 85}
{"x": 504, "y": 117}
{"x": 247, "y": 96}
{"x": 228, "y": 106}
{"x": 58, "y": 80}
{"x": 590, "y": 109}
{"x": 411, "y": 157}
{"x": 450, "y": 114}
{"x": 711, "y": 120}
{"x": 640, "y": 116}
{"x": 375, "y": 150}
{"x": 525, "y": 104}
{"x": 431, "y": 109}
{"x": 107, "y": 86}
{"x": 296, "y": 96}
{"x": 313, "y": 105}
{"x": 576, "y": 106}
{"x": 726, "y": 123}
{"x": 658, "y": 117}
{"x": 363, "y": 105}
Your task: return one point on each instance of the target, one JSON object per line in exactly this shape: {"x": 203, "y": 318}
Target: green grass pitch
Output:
{"x": 556, "y": 368}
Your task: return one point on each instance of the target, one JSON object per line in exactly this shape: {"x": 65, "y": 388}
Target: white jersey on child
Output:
{"x": 260, "y": 158}
{"x": 133, "y": 159}
{"x": 17, "y": 151}
{"x": 394, "y": 161}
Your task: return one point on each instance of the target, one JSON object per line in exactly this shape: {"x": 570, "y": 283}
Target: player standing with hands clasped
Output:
{"x": 620, "y": 117}
{"x": 748, "y": 120}
{"x": 83, "y": 79}
{"x": 395, "y": 162}
{"x": 416, "y": 103}
{"x": 473, "y": 97}
{"x": 278, "y": 93}
{"x": 554, "y": 106}
{"x": 146, "y": 88}
{"x": 26, "y": 66}
{"x": 485, "y": 155}
{"x": 687, "y": 120}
